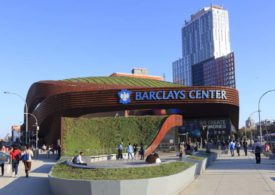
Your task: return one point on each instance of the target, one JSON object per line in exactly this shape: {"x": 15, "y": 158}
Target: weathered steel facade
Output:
{"x": 49, "y": 101}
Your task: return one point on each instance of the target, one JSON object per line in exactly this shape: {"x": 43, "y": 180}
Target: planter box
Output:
{"x": 168, "y": 185}
{"x": 201, "y": 165}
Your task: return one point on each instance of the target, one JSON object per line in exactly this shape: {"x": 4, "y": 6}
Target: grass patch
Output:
{"x": 63, "y": 171}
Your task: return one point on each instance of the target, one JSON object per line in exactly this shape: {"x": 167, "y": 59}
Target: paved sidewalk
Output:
{"x": 36, "y": 184}
{"x": 235, "y": 176}
{"x": 228, "y": 175}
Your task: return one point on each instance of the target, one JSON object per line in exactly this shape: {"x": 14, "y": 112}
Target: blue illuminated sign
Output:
{"x": 125, "y": 95}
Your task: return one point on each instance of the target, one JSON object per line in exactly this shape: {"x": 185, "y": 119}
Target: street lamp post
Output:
{"x": 37, "y": 129}
{"x": 26, "y": 107}
{"x": 259, "y": 111}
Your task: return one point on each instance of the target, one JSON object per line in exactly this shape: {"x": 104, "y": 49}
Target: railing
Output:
{"x": 166, "y": 147}
{"x": 96, "y": 152}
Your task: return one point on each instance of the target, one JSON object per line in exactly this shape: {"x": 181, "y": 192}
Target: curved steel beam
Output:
{"x": 173, "y": 120}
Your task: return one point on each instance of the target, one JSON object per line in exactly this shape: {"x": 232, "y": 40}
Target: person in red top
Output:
{"x": 15, "y": 155}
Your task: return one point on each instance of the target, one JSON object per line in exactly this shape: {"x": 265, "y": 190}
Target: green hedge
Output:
{"x": 97, "y": 136}
{"x": 164, "y": 169}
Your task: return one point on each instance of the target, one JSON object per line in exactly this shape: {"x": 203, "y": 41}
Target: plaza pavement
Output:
{"x": 36, "y": 184}
{"x": 228, "y": 175}
{"x": 239, "y": 175}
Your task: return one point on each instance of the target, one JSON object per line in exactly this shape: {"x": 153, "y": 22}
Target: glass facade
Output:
{"x": 213, "y": 128}
{"x": 215, "y": 72}
{"x": 182, "y": 72}
{"x": 206, "y": 56}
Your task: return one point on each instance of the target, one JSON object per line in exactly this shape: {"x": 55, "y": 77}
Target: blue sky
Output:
{"x": 53, "y": 40}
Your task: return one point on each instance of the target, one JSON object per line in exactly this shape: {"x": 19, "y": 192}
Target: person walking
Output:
{"x": 15, "y": 155}
{"x": 238, "y": 147}
{"x": 258, "y": 151}
{"x": 266, "y": 149}
{"x": 232, "y": 147}
{"x": 135, "y": 151}
{"x": 208, "y": 146}
{"x": 181, "y": 150}
{"x": 3, "y": 158}
{"x": 141, "y": 152}
{"x": 245, "y": 147}
{"x": 2, "y": 163}
{"x": 130, "y": 151}
{"x": 27, "y": 160}
{"x": 119, "y": 151}
{"x": 58, "y": 152}
{"x": 188, "y": 147}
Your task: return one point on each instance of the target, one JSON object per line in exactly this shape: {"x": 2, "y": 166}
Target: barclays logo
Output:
{"x": 124, "y": 96}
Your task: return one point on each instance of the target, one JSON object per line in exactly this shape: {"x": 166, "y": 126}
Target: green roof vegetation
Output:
{"x": 64, "y": 171}
{"x": 123, "y": 80}
{"x": 95, "y": 136}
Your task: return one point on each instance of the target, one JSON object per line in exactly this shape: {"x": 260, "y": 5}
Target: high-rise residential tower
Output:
{"x": 206, "y": 55}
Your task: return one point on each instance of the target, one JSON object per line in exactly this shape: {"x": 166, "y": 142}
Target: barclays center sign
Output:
{"x": 126, "y": 95}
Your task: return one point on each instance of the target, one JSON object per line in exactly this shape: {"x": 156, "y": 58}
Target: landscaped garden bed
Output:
{"x": 64, "y": 171}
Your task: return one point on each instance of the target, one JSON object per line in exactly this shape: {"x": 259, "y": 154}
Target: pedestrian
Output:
{"x": 238, "y": 147}
{"x": 245, "y": 147}
{"x": 2, "y": 163}
{"x": 49, "y": 150}
{"x": 223, "y": 147}
{"x": 15, "y": 155}
{"x": 119, "y": 151}
{"x": 3, "y": 158}
{"x": 188, "y": 148}
{"x": 141, "y": 152}
{"x": 53, "y": 149}
{"x": 27, "y": 160}
{"x": 208, "y": 146}
{"x": 130, "y": 151}
{"x": 58, "y": 152}
{"x": 232, "y": 147}
{"x": 266, "y": 149}
{"x": 135, "y": 150}
{"x": 257, "y": 153}
{"x": 252, "y": 143}
{"x": 197, "y": 145}
{"x": 181, "y": 150}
